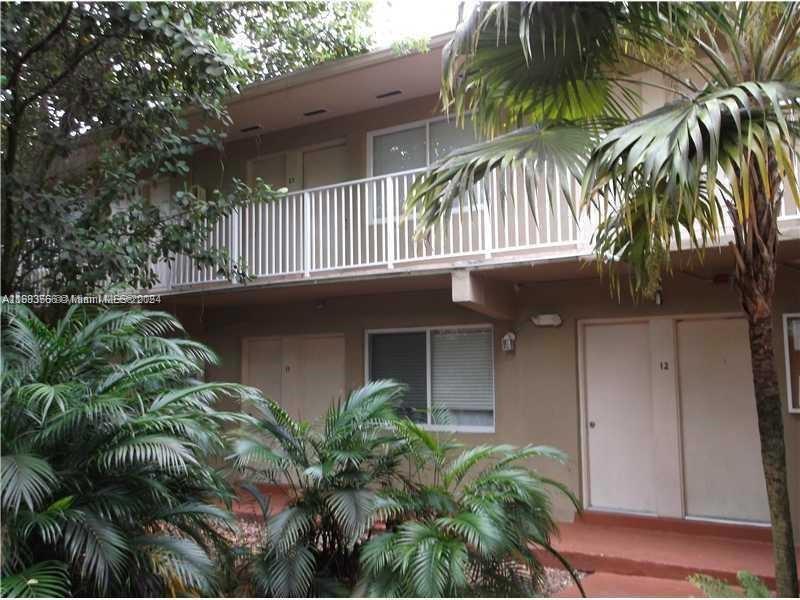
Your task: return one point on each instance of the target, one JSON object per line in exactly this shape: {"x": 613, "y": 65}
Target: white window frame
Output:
{"x": 371, "y": 135}
{"x": 787, "y": 317}
{"x": 455, "y": 428}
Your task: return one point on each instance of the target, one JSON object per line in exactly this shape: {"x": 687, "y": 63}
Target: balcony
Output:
{"x": 362, "y": 228}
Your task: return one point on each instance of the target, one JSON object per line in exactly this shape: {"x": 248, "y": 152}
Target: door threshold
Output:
{"x": 756, "y": 532}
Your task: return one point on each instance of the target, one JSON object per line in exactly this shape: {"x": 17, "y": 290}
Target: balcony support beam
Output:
{"x": 492, "y": 298}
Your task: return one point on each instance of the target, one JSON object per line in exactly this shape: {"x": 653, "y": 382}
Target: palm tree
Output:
{"x": 382, "y": 507}
{"x": 333, "y": 472}
{"x": 107, "y": 434}
{"x": 551, "y": 82}
{"x": 468, "y": 522}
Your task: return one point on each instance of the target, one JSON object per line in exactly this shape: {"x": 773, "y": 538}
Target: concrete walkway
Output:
{"x": 649, "y": 557}
{"x": 610, "y": 585}
{"x": 627, "y": 556}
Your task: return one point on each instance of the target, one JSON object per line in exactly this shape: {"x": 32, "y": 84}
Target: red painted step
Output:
{"x": 657, "y": 548}
{"x": 611, "y": 585}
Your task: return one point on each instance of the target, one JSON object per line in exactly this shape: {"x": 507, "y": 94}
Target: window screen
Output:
{"x": 461, "y": 369}
{"x": 402, "y": 357}
{"x": 446, "y": 136}
{"x": 462, "y": 382}
{"x": 399, "y": 151}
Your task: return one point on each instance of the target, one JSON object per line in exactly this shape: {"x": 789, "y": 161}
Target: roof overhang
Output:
{"x": 336, "y": 88}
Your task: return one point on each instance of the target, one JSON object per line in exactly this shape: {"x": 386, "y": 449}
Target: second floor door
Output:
{"x": 325, "y": 166}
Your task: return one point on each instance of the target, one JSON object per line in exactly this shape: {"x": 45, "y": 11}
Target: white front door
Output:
{"x": 669, "y": 419}
{"x": 619, "y": 417}
{"x": 723, "y": 476}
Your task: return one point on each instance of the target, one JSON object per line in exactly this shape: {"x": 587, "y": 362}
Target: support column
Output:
{"x": 493, "y": 298}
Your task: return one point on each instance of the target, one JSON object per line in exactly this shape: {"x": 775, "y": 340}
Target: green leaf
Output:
{"x": 26, "y": 479}
{"x": 42, "y": 580}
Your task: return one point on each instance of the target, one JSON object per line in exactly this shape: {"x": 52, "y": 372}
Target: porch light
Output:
{"x": 508, "y": 342}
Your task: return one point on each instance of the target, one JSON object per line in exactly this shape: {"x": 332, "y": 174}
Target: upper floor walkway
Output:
{"x": 362, "y": 228}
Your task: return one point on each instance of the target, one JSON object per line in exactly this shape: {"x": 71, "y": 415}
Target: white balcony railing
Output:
{"x": 364, "y": 226}
{"x": 359, "y": 225}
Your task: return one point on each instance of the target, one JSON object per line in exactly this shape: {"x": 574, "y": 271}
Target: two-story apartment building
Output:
{"x": 499, "y": 315}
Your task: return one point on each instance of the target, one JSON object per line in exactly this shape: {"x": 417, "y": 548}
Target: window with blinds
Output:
{"x": 402, "y": 357}
{"x": 449, "y": 371}
{"x": 462, "y": 378}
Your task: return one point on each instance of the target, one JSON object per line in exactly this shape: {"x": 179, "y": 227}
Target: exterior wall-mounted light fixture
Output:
{"x": 508, "y": 342}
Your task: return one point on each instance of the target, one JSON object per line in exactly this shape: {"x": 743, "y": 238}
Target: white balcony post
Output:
{"x": 588, "y": 221}
{"x": 488, "y": 242}
{"x": 233, "y": 240}
{"x": 306, "y": 234}
{"x": 390, "y": 221}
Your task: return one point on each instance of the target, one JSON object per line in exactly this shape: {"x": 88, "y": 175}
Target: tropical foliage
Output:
{"x": 571, "y": 86}
{"x": 333, "y": 471}
{"x": 752, "y": 586}
{"x": 102, "y": 99}
{"x": 468, "y": 523}
{"x": 379, "y": 506}
{"x": 107, "y": 433}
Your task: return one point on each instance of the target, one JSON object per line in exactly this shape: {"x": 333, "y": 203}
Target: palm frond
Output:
{"x": 287, "y": 575}
{"x": 512, "y": 64}
{"x": 48, "y": 579}
{"x": 98, "y": 547}
{"x": 462, "y": 464}
{"x": 683, "y": 168}
{"x": 107, "y": 438}
{"x": 181, "y": 562}
{"x": 460, "y": 177}
{"x": 475, "y": 528}
{"x": 169, "y": 453}
{"x": 354, "y": 509}
{"x": 287, "y": 527}
{"x": 26, "y": 479}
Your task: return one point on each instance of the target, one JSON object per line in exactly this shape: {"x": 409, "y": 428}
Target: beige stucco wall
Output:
{"x": 537, "y": 387}
{"x": 206, "y": 166}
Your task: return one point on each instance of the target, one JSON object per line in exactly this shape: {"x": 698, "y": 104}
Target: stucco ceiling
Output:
{"x": 339, "y": 88}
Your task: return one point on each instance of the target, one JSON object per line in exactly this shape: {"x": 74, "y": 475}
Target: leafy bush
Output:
{"x": 333, "y": 475}
{"x": 752, "y": 586}
{"x": 106, "y": 437}
{"x": 379, "y": 506}
{"x": 466, "y": 525}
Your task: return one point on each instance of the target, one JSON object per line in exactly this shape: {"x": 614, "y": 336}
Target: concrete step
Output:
{"x": 611, "y": 585}
{"x": 651, "y": 549}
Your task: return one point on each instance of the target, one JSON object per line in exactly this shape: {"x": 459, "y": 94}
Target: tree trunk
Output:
{"x": 755, "y": 249}
{"x": 773, "y": 453}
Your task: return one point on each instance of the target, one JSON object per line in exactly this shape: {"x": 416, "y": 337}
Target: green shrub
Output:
{"x": 467, "y": 523}
{"x": 752, "y": 586}
{"x": 333, "y": 474}
{"x": 106, "y": 437}
{"x": 379, "y": 506}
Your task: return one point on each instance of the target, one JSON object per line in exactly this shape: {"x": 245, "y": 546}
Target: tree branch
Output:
{"x": 38, "y": 46}
{"x": 46, "y": 88}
